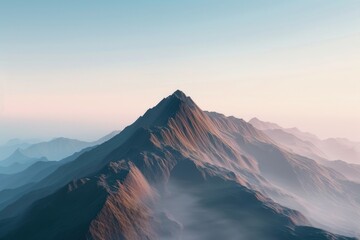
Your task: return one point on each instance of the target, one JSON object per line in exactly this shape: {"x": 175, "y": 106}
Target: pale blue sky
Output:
{"x": 83, "y": 68}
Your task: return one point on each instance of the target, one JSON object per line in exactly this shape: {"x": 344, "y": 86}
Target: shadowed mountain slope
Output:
{"x": 30, "y": 186}
{"x": 33, "y": 173}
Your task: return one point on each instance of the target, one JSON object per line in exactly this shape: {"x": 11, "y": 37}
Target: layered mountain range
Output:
{"x": 340, "y": 154}
{"x": 25, "y": 154}
{"x": 309, "y": 144}
{"x": 179, "y": 172}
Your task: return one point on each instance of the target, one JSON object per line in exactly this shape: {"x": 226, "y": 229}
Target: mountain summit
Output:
{"x": 178, "y": 172}
{"x": 179, "y": 94}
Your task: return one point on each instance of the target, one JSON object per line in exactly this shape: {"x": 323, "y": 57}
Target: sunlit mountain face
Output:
{"x": 179, "y": 172}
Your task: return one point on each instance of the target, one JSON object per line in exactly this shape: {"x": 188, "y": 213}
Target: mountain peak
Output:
{"x": 180, "y": 97}
{"x": 18, "y": 153}
{"x": 165, "y": 109}
{"x": 179, "y": 94}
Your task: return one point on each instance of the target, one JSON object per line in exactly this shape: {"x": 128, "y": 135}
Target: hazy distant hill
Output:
{"x": 55, "y": 149}
{"x": 306, "y": 143}
{"x": 25, "y": 154}
{"x": 17, "y": 162}
{"x": 12, "y": 145}
{"x": 60, "y": 148}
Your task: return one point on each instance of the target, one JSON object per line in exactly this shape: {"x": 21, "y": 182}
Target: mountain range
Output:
{"x": 12, "y": 145}
{"x": 179, "y": 172}
{"x": 309, "y": 144}
{"x": 26, "y": 154}
{"x": 339, "y": 154}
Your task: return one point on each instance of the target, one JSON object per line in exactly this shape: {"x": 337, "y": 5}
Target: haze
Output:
{"x": 82, "y": 69}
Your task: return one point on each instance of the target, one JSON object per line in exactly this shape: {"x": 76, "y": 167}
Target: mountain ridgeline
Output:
{"x": 179, "y": 172}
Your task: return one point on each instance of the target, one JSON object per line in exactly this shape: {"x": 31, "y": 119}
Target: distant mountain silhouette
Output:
{"x": 178, "y": 172}
{"x": 332, "y": 148}
{"x": 27, "y": 154}
{"x": 323, "y": 151}
{"x": 55, "y": 149}
{"x": 12, "y": 145}
{"x": 17, "y": 162}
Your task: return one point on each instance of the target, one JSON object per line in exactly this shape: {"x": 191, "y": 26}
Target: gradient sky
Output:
{"x": 84, "y": 68}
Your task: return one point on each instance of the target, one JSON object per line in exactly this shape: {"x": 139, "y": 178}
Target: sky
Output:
{"x": 83, "y": 68}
